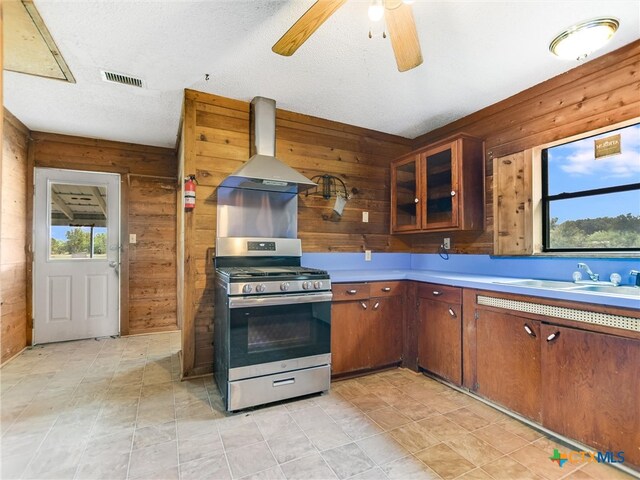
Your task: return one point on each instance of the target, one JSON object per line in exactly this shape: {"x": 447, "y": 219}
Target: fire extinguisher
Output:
{"x": 190, "y": 192}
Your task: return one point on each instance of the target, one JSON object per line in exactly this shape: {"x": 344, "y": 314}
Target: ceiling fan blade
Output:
{"x": 403, "y": 34}
{"x": 306, "y": 25}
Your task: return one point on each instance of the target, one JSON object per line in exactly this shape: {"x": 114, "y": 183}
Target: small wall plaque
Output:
{"x": 604, "y": 147}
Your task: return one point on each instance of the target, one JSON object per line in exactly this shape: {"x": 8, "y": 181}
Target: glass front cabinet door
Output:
{"x": 439, "y": 187}
{"x": 406, "y": 208}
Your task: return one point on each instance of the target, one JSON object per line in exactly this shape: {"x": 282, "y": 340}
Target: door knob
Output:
{"x": 115, "y": 265}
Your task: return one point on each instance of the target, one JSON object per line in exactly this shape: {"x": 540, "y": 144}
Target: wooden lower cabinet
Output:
{"x": 440, "y": 339}
{"x": 508, "y": 362}
{"x": 384, "y": 330}
{"x": 591, "y": 389}
{"x": 348, "y": 336}
{"x": 366, "y": 333}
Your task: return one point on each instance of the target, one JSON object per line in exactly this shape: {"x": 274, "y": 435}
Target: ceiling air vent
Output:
{"x": 113, "y": 77}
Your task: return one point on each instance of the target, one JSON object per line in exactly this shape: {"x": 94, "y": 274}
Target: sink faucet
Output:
{"x": 585, "y": 267}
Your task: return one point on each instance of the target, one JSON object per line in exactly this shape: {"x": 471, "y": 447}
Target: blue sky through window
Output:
{"x": 573, "y": 167}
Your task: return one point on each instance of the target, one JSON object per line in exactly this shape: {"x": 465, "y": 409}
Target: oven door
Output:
{"x": 278, "y": 328}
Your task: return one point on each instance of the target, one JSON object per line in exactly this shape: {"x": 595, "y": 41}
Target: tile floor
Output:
{"x": 116, "y": 409}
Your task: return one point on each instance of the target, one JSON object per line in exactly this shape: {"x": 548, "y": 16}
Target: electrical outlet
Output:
{"x": 447, "y": 243}
{"x": 367, "y": 255}
{"x": 365, "y": 217}
{"x": 132, "y": 238}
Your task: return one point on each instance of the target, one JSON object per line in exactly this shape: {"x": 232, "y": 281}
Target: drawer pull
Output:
{"x": 352, "y": 292}
{"x": 530, "y": 332}
{"x": 286, "y": 381}
{"x": 452, "y": 313}
{"x": 364, "y": 305}
{"x": 436, "y": 293}
{"x": 553, "y": 336}
{"x": 386, "y": 289}
{"x": 377, "y": 304}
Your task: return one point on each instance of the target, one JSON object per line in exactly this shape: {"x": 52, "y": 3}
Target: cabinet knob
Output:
{"x": 553, "y": 336}
{"x": 530, "y": 332}
{"x": 377, "y": 304}
{"x": 386, "y": 289}
{"x": 415, "y": 200}
{"x": 453, "y": 193}
{"x": 364, "y": 305}
{"x": 352, "y": 292}
{"x": 436, "y": 293}
{"x": 452, "y": 313}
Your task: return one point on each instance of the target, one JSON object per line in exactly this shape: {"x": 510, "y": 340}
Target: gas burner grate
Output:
{"x": 236, "y": 272}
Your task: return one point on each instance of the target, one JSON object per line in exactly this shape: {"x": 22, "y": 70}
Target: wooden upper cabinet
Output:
{"x": 406, "y": 208}
{"x": 439, "y": 188}
{"x": 512, "y": 204}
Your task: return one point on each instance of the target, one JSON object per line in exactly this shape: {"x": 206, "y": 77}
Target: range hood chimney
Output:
{"x": 263, "y": 171}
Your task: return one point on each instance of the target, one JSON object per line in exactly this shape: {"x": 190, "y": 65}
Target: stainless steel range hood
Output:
{"x": 263, "y": 171}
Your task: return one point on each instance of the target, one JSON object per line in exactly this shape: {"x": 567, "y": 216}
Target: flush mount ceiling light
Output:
{"x": 578, "y": 41}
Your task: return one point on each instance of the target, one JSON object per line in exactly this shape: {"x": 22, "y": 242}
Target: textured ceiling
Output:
{"x": 475, "y": 54}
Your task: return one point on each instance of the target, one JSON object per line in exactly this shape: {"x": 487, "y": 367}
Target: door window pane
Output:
{"x": 78, "y": 222}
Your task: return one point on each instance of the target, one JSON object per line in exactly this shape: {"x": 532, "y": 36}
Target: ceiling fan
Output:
{"x": 398, "y": 16}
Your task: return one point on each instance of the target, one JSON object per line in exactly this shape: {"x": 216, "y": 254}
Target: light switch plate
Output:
{"x": 365, "y": 217}
{"x": 132, "y": 238}
{"x": 367, "y": 255}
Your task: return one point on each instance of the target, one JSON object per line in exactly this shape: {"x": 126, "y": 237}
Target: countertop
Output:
{"x": 484, "y": 282}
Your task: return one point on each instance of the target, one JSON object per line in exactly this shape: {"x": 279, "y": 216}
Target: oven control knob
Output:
{"x": 317, "y": 285}
{"x": 284, "y": 286}
{"x": 247, "y": 288}
{"x": 261, "y": 288}
{"x": 306, "y": 285}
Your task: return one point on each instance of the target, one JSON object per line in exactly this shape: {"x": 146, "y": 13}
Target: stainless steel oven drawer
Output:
{"x": 271, "y": 388}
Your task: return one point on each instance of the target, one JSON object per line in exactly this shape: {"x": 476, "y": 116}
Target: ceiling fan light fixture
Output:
{"x": 376, "y": 10}
{"x": 579, "y": 41}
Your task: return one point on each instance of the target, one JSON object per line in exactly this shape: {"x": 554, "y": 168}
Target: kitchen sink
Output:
{"x": 607, "y": 289}
{"x": 610, "y": 289}
{"x": 548, "y": 284}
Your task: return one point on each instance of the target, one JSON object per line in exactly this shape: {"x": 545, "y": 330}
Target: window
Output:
{"x": 78, "y": 216}
{"x": 591, "y": 202}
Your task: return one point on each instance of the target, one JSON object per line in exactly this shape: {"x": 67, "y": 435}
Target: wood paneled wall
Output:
{"x": 216, "y": 143}
{"x": 148, "y": 209}
{"x": 13, "y": 237}
{"x": 152, "y": 260}
{"x": 596, "y": 94}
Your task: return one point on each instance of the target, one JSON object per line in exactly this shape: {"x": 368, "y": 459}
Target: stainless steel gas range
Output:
{"x": 272, "y": 327}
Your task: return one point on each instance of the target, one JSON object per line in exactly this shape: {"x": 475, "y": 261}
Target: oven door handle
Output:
{"x": 272, "y": 300}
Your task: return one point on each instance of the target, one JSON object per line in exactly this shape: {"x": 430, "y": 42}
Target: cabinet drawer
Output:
{"x": 350, "y": 291}
{"x": 386, "y": 289}
{"x": 440, "y": 293}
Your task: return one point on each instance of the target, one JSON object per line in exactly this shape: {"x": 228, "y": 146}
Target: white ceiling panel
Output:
{"x": 475, "y": 54}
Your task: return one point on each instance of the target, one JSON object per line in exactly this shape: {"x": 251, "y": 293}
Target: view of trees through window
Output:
{"x": 592, "y": 202}
{"x": 75, "y": 242}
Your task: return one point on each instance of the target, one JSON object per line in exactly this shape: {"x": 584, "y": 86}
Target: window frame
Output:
{"x": 546, "y": 199}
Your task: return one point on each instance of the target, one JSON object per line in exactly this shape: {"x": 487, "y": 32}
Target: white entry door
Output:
{"x": 76, "y": 255}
